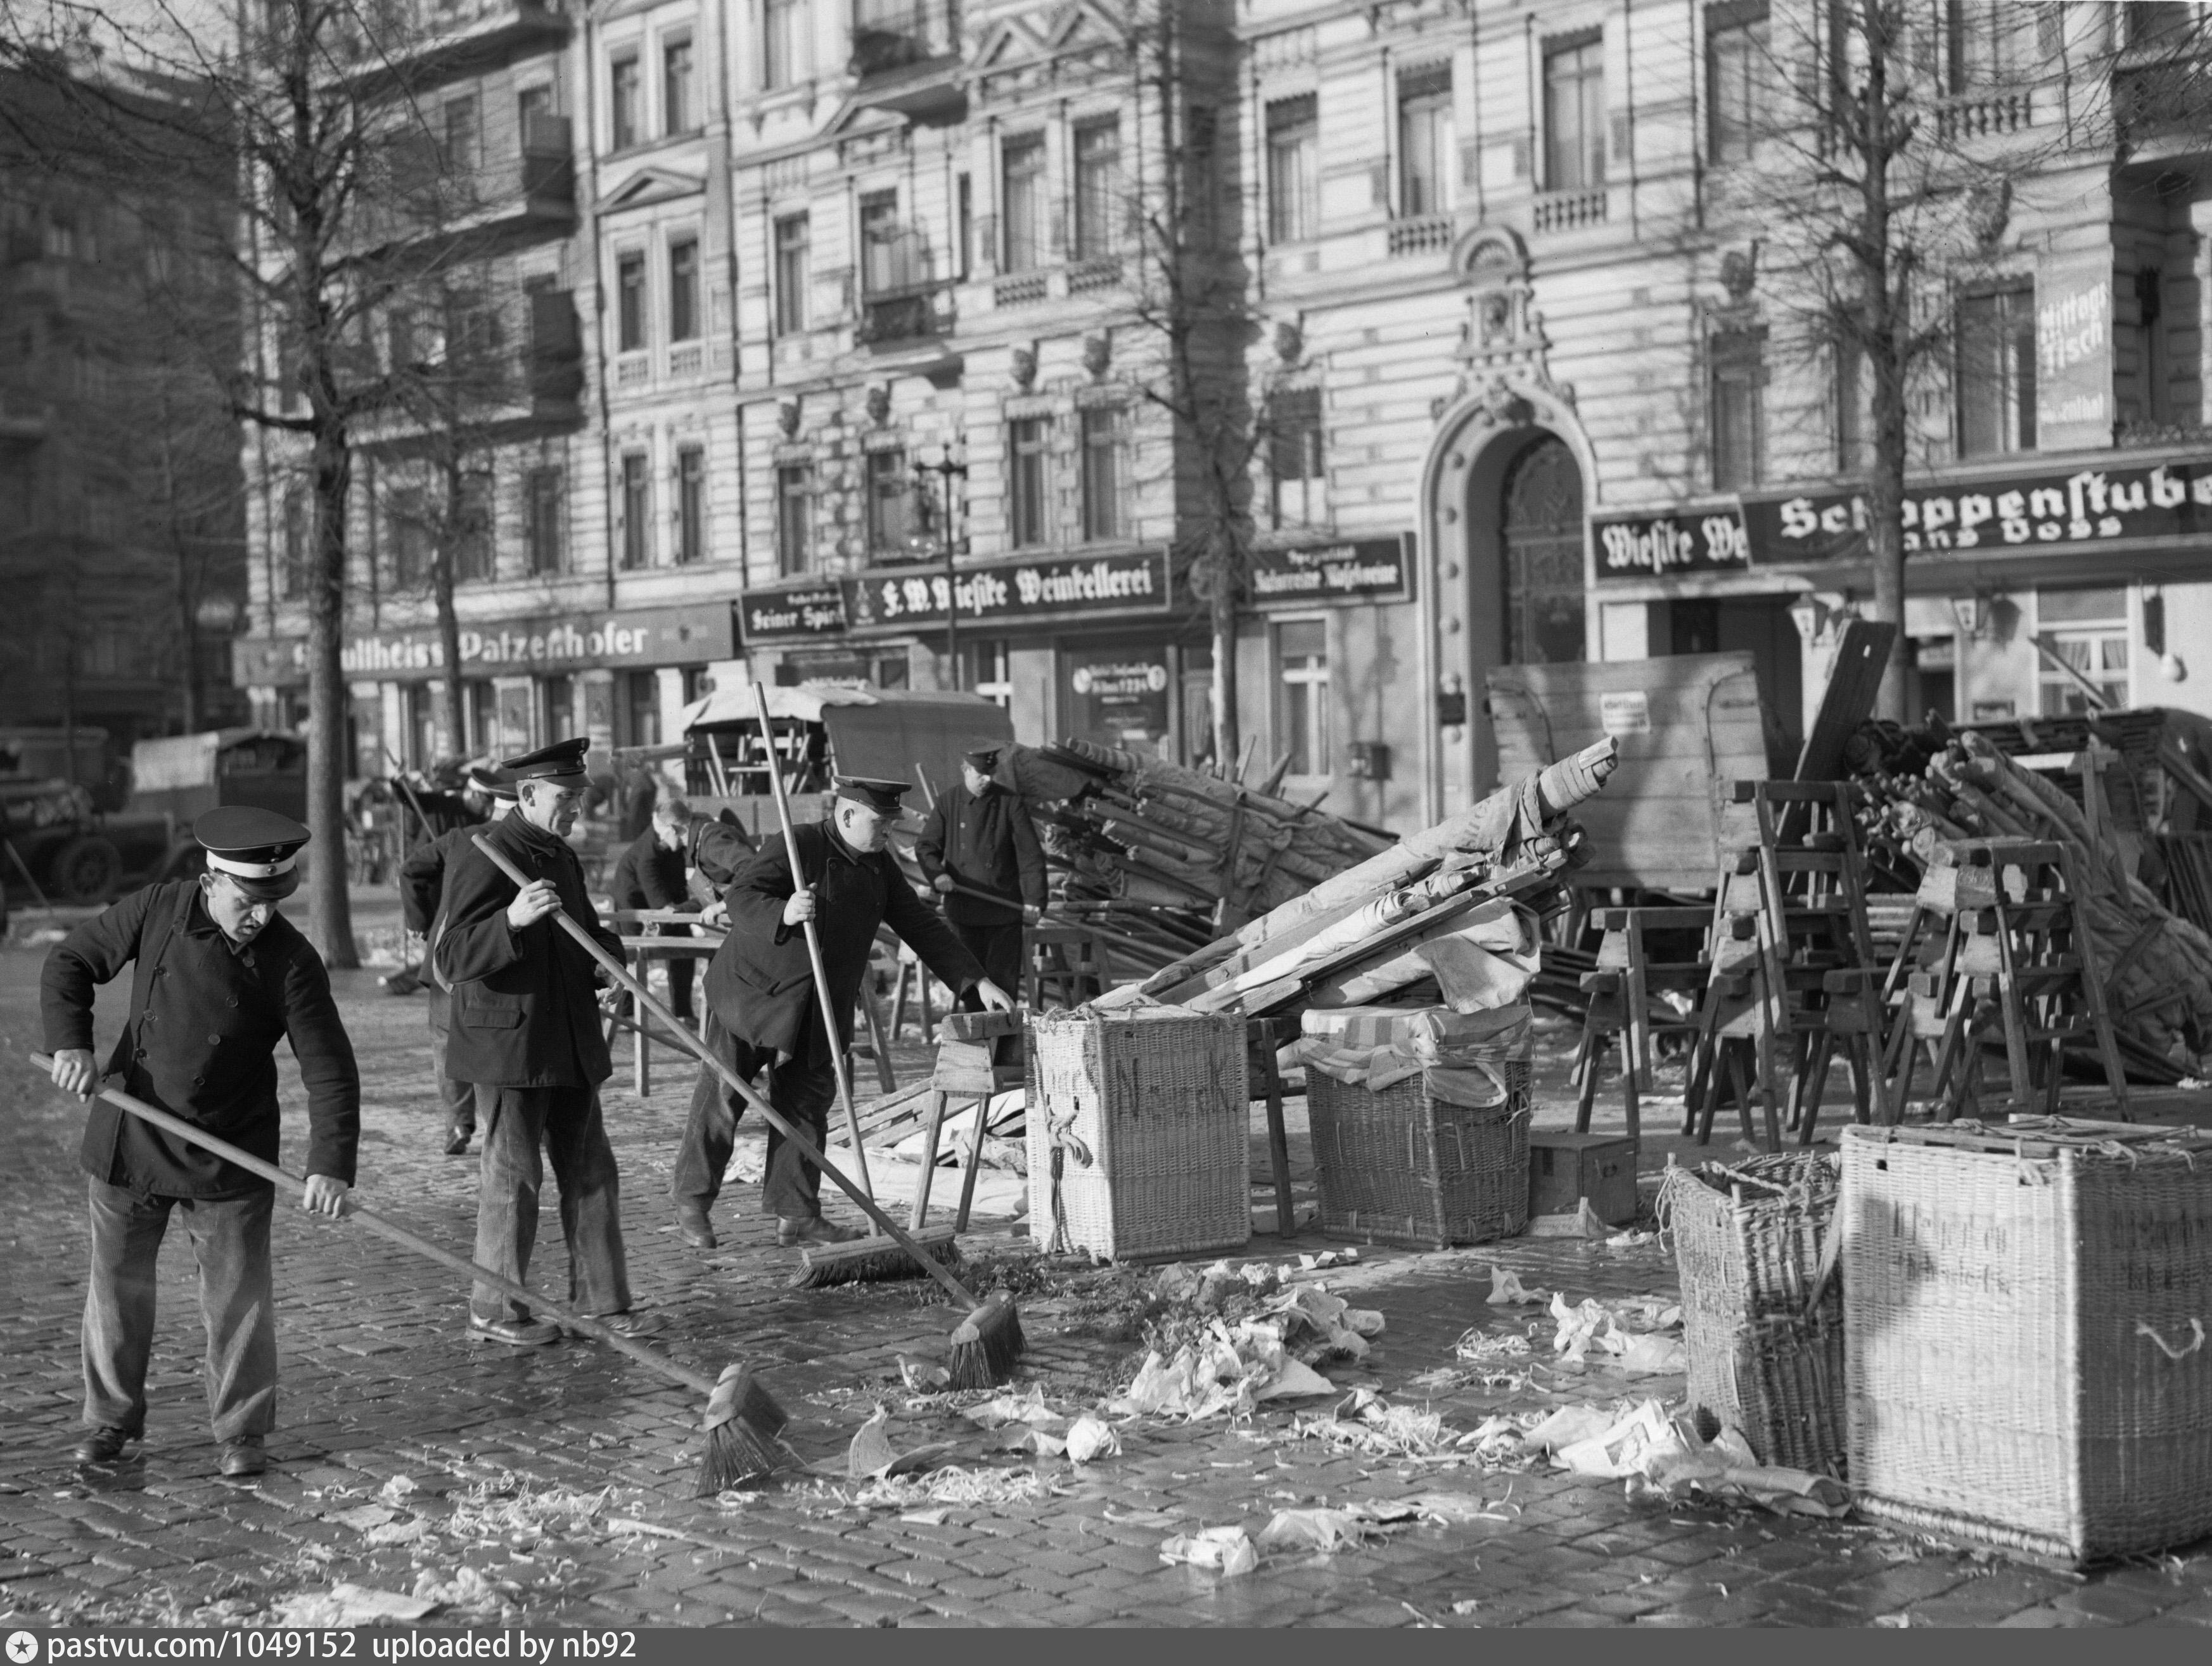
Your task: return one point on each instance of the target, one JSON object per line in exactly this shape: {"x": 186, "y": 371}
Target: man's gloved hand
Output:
{"x": 943, "y": 882}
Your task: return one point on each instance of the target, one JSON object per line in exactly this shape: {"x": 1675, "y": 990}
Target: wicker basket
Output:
{"x": 1747, "y": 1243}
{"x": 2026, "y": 1362}
{"x": 1400, "y": 1167}
{"x": 1140, "y": 1132}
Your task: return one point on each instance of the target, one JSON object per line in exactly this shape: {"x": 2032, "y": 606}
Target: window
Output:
{"x": 1424, "y": 140}
{"x": 544, "y": 492}
{"x": 883, "y": 246}
{"x": 2151, "y": 22}
{"x": 1737, "y": 65}
{"x": 471, "y": 533}
{"x": 641, "y": 709}
{"x": 784, "y": 55}
{"x": 1294, "y": 458}
{"x": 1103, "y": 516}
{"x": 636, "y": 510}
{"x": 791, "y": 277}
{"x": 1998, "y": 43}
{"x": 986, "y": 668}
{"x": 407, "y": 538}
{"x": 1097, "y": 189}
{"x": 292, "y": 575}
{"x": 625, "y": 122}
{"x": 698, "y": 684}
{"x": 691, "y": 504}
{"x": 677, "y": 114}
{"x": 1025, "y": 480}
{"x": 480, "y": 705}
{"x": 629, "y": 303}
{"x": 461, "y": 150}
{"x": 889, "y": 504}
{"x": 2154, "y": 357}
{"x": 556, "y": 708}
{"x": 1996, "y": 372}
{"x": 1302, "y": 694}
{"x": 965, "y": 227}
{"x": 1023, "y": 203}
{"x": 532, "y": 105}
{"x": 1574, "y": 117}
{"x": 1739, "y": 409}
{"x": 1293, "y": 149}
{"x": 2087, "y": 629}
{"x": 794, "y": 507}
{"x": 683, "y": 290}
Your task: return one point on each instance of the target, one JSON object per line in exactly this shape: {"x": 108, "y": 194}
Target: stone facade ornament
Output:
{"x": 1025, "y": 367}
{"x": 787, "y": 417}
{"x": 879, "y": 405}
{"x": 1503, "y": 349}
{"x": 1290, "y": 343}
{"x": 1097, "y": 355}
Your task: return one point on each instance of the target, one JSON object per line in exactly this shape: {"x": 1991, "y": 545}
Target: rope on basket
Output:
{"x": 2144, "y": 1328}
{"x": 1061, "y": 1136}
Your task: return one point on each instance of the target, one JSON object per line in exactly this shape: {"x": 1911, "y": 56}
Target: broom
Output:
{"x": 989, "y": 1342}
{"x": 743, "y": 1420}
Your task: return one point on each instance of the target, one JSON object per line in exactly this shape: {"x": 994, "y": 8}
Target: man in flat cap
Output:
{"x": 681, "y": 862}
{"x": 979, "y": 850}
{"x": 760, "y": 988}
{"x": 219, "y": 976}
{"x": 422, "y": 892}
{"x": 523, "y": 1027}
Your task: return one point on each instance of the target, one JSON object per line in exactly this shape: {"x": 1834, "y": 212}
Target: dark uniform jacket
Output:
{"x": 200, "y": 1043}
{"x": 422, "y": 893}
{"x": 760, "y": 983}
{"x": 720, "y": 852}
{"x": 986, "y": 844}
{"x": 525, "y": 1012}
{"x": 650, "y": 876}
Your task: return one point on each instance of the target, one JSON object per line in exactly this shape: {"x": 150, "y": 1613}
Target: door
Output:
{"x": 1540, "y": 535}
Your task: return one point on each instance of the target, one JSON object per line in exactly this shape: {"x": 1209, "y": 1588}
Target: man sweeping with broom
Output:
{"x": 760, "y": 985}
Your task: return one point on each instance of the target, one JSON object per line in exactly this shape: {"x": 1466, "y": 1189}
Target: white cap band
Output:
{"x": 253, "y": 870}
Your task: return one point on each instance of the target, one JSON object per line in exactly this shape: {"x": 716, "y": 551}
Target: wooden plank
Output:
{"x": 1853, "y": 683}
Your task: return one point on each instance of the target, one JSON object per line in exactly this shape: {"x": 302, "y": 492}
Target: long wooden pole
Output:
{"x": 745, "y": 1090}
{"x": 813, "y": 941}
{"x": 392, "y": 1231}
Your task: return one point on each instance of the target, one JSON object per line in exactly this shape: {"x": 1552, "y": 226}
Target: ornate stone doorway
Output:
{"x": 1539, "y": 530}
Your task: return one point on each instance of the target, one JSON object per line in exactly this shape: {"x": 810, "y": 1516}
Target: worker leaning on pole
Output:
{"x": 219, "y": 978}
{"x": 979, "y": 844}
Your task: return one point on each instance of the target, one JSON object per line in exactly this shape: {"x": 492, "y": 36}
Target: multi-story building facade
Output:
{"x": 872, "y": 321}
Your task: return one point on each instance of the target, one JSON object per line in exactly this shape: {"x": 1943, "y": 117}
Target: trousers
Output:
{"x": 230, "y": 1241}
{"x": 999, "y": 949}
{"x": 801, "y": 1089}
{"x": 566, "y": 1123}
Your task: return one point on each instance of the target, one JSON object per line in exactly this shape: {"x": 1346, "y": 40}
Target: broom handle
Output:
{"x": 392, "y": 1232}
{"x": 813, "y": 941}
{"x": 959, "y": 890}
{"x": 745, "y": 1090}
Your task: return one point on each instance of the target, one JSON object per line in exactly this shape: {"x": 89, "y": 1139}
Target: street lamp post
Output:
{"x": 946, "y": 471}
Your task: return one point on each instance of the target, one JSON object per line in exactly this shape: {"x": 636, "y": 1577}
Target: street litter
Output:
{"x": 1089, "y": 1439}
{"x": 1324, "y": 1530}
{"x": 872, "y": 1456}
{"x": 951, "y": 1485}
{"x": 1026, "y": 1408}
{"x": 1663, "y": 1457}
{"x": 398, "y": 1490}
{"x": 469, "y": 1589}
{"x": 1591, "y": 1324}
{"x": 343, "y": 1606}
{"x": 1506, "y": 1290}
{"x": 1225, "y": 1373}
{"x": 1631, "y": 1240}
{"x": 1226, "y": 1550}
{"x": 921, "y": 1377}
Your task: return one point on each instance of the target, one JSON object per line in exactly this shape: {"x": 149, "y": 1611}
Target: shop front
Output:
{"x": 609, "y": 675}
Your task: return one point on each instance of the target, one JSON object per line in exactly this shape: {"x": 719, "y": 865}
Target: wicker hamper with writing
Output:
{"x": 2025, "y": 1309}
{"x": 1140, "y": 1132}
{"x": 1748, "y": 1242}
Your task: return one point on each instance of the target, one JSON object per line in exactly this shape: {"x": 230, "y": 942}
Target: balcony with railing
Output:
{"x": 477, "y": 380}
{"x": 2162, "y": 99}
{"x": 906, "y": 57}
{"x": 1569, "y": 211}
{"x": 1427, "y": 234}
{"x": 446, "y": 40}
{"x": 426, "y": 195}
{"x": 902, "y": 317}
{"x": 1988, "y": 112}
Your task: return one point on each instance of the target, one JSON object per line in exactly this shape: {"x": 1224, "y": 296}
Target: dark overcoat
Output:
{"x": 986, "y": 842}
{"x": 525, "y": 1010}
{"x": 422, "y": 895}
{"x": 649, "y": 876}
{"x": 760, "y": 983}
{"x": 200, "y": 1043}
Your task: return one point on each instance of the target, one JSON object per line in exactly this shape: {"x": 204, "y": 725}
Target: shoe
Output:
{"x": 691, "y": 1221}
{"x": 813, "y": 1229}
{"x": 627, "y": 1324}
{"x": 457, "y": 1141}
{"x": 244, "y": 1456}
{"x": 104, "y": 1444}
{"x": 515, "y": 1333}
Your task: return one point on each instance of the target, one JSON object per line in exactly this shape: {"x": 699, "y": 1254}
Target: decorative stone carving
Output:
{"x": 1097, "y": 355}
{"x": 879, "y": 405}
{"x": 1739, "y": 273}
{"x": 786, "y": 418}
{"x": 1289, "y": 342}
{"x": 1025, "y": 367}
{"x": 1503, "y": 349}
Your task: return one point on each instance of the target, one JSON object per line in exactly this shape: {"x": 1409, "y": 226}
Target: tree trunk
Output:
{"x": 330, "y": 919}
{"x": 1226, "y": 740}
{"x": 449, "y": 624}
{"x": 1886, "y": 298}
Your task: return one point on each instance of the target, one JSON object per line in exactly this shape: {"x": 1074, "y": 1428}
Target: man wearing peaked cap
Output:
{"x": 763, "y": 1010}
{"x": 523, "y": 1027}
{"x": 980, "y": 850}
{"x": 218, "y": 978}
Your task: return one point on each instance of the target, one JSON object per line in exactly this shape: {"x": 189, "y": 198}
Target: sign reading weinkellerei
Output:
{"x": 1655, "y": 546}
{"x": 1374, "y": 570}
{"x": 775, "y": 616}
{"x": 1137, "y": 582}
{"x": 2020, "y": 508}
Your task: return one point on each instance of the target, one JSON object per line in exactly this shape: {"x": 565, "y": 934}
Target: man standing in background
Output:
{"x": 979, "y": 851}
{"x": 422, "y": 889}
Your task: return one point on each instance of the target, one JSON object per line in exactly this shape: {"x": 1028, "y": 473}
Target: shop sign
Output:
{"x": 1376, "y": 570}
{"x": 1107, "y": 584}
{"x": 647, "y": 636}
{"x": 2018, "y": 509}
{"x": 776, "y": 616}
{"x": 1657, "y": 546}
{"x": 2074, "y": 350}
{"x": 1121, "y": 695}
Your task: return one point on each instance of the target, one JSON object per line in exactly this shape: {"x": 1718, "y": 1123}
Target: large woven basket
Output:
{"x": 1747, "y": 1243}
{"x": 1139, "y": 1141}
{"x": 2026, "y": 1362}
{"x": 1400, "y": 1167}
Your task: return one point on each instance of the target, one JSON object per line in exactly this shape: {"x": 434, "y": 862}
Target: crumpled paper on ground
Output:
{"x": 1089, "y": 1440}
{"x": 344, "y": 1606}
{"x": 1342, "y": 1328}
{"x": 1506, "y": 1290}
{"x": 1324, "y": 1530}
{"x": 1226, "y": 1550}
{"x": 1591, "y": 1325}
{"x": 872, "y": 1455}
{"x": 1226, "y": 1373}
{"x": 1027, "y": 1407}
{"x": 1663, "y": 1457}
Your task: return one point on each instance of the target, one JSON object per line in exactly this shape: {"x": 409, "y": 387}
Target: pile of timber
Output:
{"x": 2156, "y": 965}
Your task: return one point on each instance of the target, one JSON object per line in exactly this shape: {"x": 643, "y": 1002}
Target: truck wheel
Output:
{"x": 85, "y": 870}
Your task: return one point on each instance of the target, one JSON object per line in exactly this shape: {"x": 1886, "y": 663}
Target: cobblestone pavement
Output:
{"x": 522, "y": 1465}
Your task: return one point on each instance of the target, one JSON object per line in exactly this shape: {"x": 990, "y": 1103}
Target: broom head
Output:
{"x": 988, "y": 1344}
{"x": 874, "y": 1260}
{"x": 743, "y": 1421}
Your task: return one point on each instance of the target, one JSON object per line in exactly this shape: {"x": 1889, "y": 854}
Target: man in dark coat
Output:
{"x": 525, "y": 1029}
{"x": 650, "y": 875}
{"x": 421, "y": 891}
{"x": 218, "y": 978}
{"x": 760, "y": 986}
{"x": 979, "y": 837}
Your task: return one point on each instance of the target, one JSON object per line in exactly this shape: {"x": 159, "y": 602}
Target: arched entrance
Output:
{"x": 1540, "y": 534}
